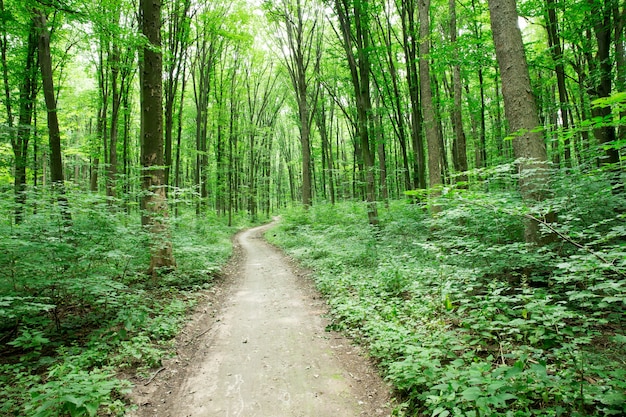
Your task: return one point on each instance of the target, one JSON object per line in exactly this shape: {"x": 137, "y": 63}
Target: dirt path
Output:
{"x": 259, "y": 348}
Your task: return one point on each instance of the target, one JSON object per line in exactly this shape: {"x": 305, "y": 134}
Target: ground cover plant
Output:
{"x": 463, "y": 317}
{"x": 76, "y": 306}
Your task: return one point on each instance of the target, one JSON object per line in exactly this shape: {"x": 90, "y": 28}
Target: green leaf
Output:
{"x": 92, "y": 408}
{"x": 472, "y": 394}
{"x": 440, "y": 412}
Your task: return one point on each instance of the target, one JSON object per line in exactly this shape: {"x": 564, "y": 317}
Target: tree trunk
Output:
{"x": 20, "y": 136}
{"x": 600, "y": 69}
{"x": 409, "y": 37}
{"x": 620, "y": 60}
{"x": 114, "y": 59}
{"x": 430, "y": 122}
{"x": 153, "y": 181}
{"x": 459, "y": 146}
{"x": 557, "y": 56}
{"x": 54, "y": 133}
{"x": 520, "y": 108}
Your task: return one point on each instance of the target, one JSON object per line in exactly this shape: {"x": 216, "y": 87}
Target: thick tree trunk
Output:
{"x": 54, "y": 133}
{"x": 153, "y": 181}
{"x": 600, "y": 67}
{"x": 520, "y": 108}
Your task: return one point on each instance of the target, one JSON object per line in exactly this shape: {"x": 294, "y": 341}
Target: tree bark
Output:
{"x": 410, "y": 37}
{"x": 27, "y": 94}
{"x": 556, "y": 52}
{"x": 459, "y": 145}
{"x": 520, "y": 108}
{"x": 54, "y": 133}
{"x": 430, "y": 122}
{"x": 356, "y": 15}
{"x": 153, "y": 176}
{"x": 600, "y": 68}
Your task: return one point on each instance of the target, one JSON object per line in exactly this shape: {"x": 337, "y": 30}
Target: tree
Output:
{"x": 556, "y": 51}
{"x": 410, "y": 38}
{"x": 301, "y": 50}
{"x": 459, "y": 148}
{"x": 177, "y": 43}
{"x": 520, "y": 108}
{"x": 354, "y": 29}
{"x": 20, "y": 134}
{"x": 54, "y": 132}
{"x": 153, "y": 175}
{"x": 601, "y": 70}
{"x": 430, "y": 121}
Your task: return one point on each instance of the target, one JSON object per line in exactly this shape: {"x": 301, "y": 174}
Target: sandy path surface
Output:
{"x": 265, "y": 351}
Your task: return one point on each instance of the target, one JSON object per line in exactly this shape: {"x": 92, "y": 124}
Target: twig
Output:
{"x": 197, "y": 336}
{"x": 154, "y": 376}
{"x": 501, "y": 353}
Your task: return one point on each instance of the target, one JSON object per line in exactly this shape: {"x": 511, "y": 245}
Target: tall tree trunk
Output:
{"x": 459, "y": 151}
{"x": 153, "y": 176}
{"x": 179, "y": 135}
{"x": 620, "y": 59}
{"x": 557, "y": 56}
{"x": 116, "y": 95}
{"x": 600, "y": 66}
{"x": 300, "y": 20}
{"x": 430, "y": 122}
{"x": 356, "y": 15}
{"x": 393, "y": 90}
{"x": 520, "y": 108}
{"x": 176, "y": 46}
{"x": 410, "y": 38}
{"x": 54, "y": 133}
{"x": 27, "y": 95}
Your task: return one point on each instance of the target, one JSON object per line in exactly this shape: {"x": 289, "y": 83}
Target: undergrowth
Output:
{"x": 76, "y": 306}
{"x": 463, "y": 317}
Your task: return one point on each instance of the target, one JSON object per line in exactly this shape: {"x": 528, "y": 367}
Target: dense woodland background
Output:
{"x": 456, "y": 183}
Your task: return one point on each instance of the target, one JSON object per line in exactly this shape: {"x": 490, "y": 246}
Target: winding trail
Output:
{"x": 267, "y": 354}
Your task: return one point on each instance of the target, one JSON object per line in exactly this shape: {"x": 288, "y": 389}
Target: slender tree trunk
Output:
{"x": 114, "y": 58}
{"x": 430, "y": 122}
{"x": 459, "y": 146}
{"x": 20, "y": 136}
{"x": 356, "y": 15}
{"x": 54, "y": 133}
{"x": 153, "y": 181}
{"x": 410, "y": 41}
{"x": 557, "y": 56}
{"x": 396, "y": 97}
{"x": 620, "y": 60}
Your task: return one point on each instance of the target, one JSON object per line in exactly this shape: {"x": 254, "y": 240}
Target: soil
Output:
{"x": 258, "y": 347}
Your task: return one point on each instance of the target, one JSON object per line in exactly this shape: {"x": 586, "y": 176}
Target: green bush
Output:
{"x": 76, "y": 304}
{"x": 463, "y": 317}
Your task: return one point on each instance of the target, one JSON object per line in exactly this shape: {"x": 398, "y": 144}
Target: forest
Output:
{"x": 452, "y": 171}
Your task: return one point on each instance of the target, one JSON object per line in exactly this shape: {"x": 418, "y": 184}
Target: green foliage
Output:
{"x": 76, "y": 305}
{"x": 73, "y": 391}
{"x": 464, "y": 318}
